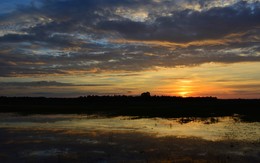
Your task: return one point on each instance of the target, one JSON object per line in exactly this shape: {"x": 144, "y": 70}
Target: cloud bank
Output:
{"x": 50, "y": 37}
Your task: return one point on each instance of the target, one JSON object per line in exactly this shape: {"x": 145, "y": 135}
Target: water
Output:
{"x": 214, "y": 129}
{"x": 92, "y": 138}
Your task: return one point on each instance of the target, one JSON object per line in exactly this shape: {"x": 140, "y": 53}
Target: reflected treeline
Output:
{"x": 208, "y": 120}
{"x": 143, "y": 106}
{"x": 213, "y": 120}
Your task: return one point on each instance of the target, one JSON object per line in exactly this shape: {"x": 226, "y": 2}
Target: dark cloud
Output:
{"x": 182, "y": 26}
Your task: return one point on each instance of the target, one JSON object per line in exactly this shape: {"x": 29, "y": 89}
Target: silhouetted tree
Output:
{"x": 146, "y": 94}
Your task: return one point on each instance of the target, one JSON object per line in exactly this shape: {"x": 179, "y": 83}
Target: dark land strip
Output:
{"x": 150, "y": 106}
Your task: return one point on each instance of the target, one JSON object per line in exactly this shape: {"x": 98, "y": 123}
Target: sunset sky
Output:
{"x": 71, "y": 48}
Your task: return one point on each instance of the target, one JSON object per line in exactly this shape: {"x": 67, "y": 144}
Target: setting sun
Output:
{"x": 185, "y": 88}
{"x": 183, "y": 94}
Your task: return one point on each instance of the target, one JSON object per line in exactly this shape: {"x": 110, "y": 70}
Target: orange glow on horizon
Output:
{"x": 238, "y": 80}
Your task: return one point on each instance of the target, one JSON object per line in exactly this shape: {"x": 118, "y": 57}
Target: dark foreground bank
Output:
{"x": 153, "y": 106}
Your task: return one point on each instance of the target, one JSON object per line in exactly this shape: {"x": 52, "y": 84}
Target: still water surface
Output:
{"x": 214, "y": 129}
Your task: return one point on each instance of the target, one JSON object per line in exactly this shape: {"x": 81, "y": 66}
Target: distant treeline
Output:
{"x": 145, "y": 106}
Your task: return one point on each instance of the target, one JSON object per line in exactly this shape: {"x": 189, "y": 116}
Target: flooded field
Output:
{"x": 94, "y": 138}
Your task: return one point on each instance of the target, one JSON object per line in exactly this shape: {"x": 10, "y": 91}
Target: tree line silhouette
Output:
{"x": 144, "y": 105}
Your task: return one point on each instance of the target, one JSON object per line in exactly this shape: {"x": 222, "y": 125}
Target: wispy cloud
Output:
{"x": 46, "y": 84}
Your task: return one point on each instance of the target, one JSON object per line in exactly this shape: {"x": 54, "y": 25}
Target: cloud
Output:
{"x": 47, "y": 84}
{"x": 189, "y": 25}
{"x": 92, "y": 36}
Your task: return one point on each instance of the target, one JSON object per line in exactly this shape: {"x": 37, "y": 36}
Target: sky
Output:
{"x": 71, "y": 48}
